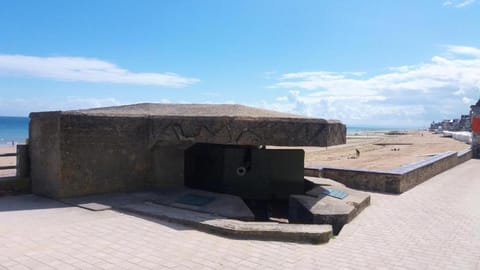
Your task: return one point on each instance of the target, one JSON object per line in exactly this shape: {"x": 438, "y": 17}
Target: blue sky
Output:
{"x": 376, "y": 63}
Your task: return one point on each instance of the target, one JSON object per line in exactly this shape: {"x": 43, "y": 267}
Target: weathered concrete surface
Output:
{"x": 369, "y": 180}
{"x": 310, "y": 233}
{"x": 23, "y": 161}
{"x": 310, "y": 210}
{"x": 395, "y": 181}
{"x": 167, "y": 166}
{"x": 73, "y": 156}
{"x": 464, "y": 156}
{"x": 360, "y": 200}
{"x": 416, "y": 173}
{"x": 318, "y": 208}
{"x": 224, "y": 124}
{"x": 121, "y": 149}
{"x": 225, "y": 215}
{"x": 45, "y": 159}
{"x": 224, "y": 205}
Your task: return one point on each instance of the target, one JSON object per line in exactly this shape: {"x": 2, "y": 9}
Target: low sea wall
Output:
{"x": 395, "y": 181}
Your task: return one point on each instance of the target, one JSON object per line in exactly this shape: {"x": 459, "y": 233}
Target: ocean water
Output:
{"x": 352, "y": 130}
{"x": 13, "y": 129}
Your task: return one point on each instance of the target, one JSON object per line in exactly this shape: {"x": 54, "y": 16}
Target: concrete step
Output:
{"x": 308, "y": 233}
{"x": 220, "y": 216}
{"x": 315, "y": 207}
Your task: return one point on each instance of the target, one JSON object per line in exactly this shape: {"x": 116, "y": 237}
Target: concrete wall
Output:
{"x": 23, "y": 161}
{"x": 395, "y": 181}
{"x": 45, "y": 168}
{"x": 380, "y": 181}
{"x": 167, "y": 166}
{"x": 282, "y": 132}
{"x": 420, "y": 172}
{"x": 464, "y": 155}
{"x": 103, "y": 155}
{"x": 75, "y": 155}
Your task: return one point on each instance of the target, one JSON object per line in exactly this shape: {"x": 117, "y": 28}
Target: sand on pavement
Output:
{"x": 382, "y": 152}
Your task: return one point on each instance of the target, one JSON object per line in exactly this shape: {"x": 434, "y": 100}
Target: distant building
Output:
{"x": 462, "y": 124}
{"x": 465, "y": 122}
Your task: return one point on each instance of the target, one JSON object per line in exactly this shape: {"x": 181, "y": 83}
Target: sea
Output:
{"x": 13, "y": 130}
{"x": 366, "y": 130}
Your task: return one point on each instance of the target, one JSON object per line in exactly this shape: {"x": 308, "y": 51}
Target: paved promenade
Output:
{"x": 433, "y": 226}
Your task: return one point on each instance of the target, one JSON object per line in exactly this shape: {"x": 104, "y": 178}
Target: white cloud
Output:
{"x": 458, "y": 3}
{"x": 85, "y": 70}
{"x": 410, "y": 94}
{"x": 464, "y": 50}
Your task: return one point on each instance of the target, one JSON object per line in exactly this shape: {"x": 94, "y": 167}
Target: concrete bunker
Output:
{"x": 216, "y": 148}
{"x": 133, "y": 147}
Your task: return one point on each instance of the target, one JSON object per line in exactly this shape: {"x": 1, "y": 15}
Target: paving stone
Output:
{"x": 432, "y": 225}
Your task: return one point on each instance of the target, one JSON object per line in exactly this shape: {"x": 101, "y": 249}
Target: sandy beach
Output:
{"x": 7, "y": 161}
{"x": 383, "y": 152}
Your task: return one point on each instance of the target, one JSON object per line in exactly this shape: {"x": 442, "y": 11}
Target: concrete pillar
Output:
{"x": 475, "y": 113}
{"x": 23, "y": 161}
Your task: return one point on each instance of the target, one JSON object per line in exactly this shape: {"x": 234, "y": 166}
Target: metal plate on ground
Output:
{"x": 195, "y": 199}
{"x": 334, "y": 193}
